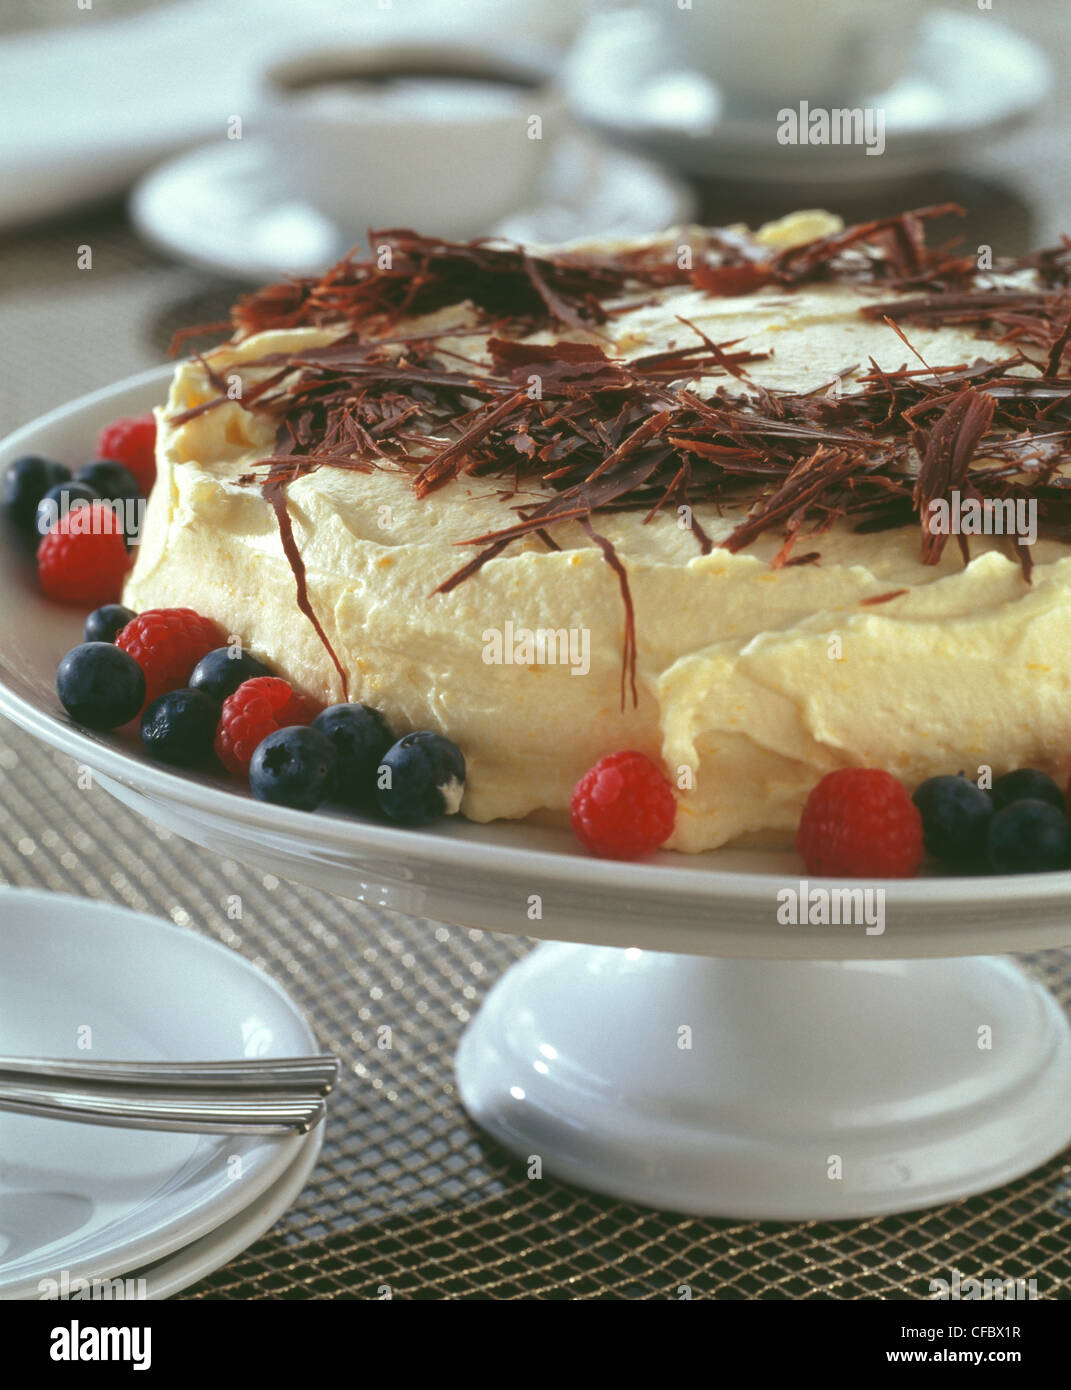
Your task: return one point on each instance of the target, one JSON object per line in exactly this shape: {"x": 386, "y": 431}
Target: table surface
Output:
{"x": 408, "y": 1193}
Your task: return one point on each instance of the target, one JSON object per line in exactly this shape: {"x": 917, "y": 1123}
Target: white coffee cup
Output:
{"x": 768, "y": 54}
{"x": 442, "y": 136}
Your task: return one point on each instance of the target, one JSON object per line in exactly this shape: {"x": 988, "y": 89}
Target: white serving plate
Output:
{"x": 92, "y": 1200}
{"x": 827, "y": 1041}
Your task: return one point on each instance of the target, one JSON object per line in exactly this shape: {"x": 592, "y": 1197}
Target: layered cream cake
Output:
{"x": 677, "y": 497}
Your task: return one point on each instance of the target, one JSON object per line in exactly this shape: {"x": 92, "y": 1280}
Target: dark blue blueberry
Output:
{"x": 1029, "y": 837}
{"x": 222, "y": 671}
{"x": 100, "y": 685}
{"x": 955, "y": 818}
{"x": 26, "y": 480}
{"x": 361, "y": 737}
{"x": 1026, "y": 784}
{"x": 105, "y": 624}
{"x": 108, "y": 479}
{"x": 58, "y": 501}
{"x": 421, "y": 778}
{"x": 179, "y": 727}
{"x": 294, "y": 767}
{"x": 116, "y": 484}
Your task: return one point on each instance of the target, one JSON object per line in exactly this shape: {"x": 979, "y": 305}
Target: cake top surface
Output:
{"x": 787, "y": 385}
{"x": 808, "y": 371}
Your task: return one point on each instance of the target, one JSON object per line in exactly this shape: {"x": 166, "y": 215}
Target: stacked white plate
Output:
{"x": 87, "y": 980}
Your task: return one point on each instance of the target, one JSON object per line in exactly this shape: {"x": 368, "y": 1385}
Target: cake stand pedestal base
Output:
{"x": 778, "y": 1090}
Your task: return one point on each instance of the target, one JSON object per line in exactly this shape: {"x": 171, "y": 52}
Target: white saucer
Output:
{"x": 90, "y": 1200}
{"x": 971, "y": 79}
{"x": 223, "y": 207}
{"x": 200, "y": 1258}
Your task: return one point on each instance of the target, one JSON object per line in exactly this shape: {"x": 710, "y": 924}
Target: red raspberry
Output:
{"x": 859, "y": 822}
{"x": 132, "y": 442}
{"x": 167, "y": 643}
{"x": 83, "y": 558}
{"x": 623, "y": 807}
{"x": 255, "y": 710}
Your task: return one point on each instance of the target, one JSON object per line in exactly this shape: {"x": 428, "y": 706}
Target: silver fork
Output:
{"x": 263, "y": 1096}
{"x": 318, "y": 1073}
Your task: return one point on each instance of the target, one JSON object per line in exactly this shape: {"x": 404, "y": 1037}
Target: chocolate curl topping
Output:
{"x": 410, "y": 274}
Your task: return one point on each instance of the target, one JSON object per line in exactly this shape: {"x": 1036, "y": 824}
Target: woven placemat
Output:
{"x": 408, "y": 1195}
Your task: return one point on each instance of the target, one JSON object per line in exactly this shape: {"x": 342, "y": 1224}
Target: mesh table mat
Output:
{"x": 408, "y": 1194}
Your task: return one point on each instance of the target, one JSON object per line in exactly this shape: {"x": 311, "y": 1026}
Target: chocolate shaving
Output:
{"x": 732, "y": 280}
{"x": 813, "y": 476}
{"x": 947, "y": 450}
{"x": 628, "y": 664}
{"x": 887, "y": 597}
{"x": 274, "y": 492}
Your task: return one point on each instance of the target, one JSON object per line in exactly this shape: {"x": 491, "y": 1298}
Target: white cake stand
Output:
{"x": 672, "y": 1043}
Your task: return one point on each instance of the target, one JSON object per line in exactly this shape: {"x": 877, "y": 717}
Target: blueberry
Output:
{"x": 116, "y": 484}
{"x": 222, "y": 671}
{"x": 105, "y": 624}
{"x": 421, "y": 778}
{"x": 294, "y": 767}
{"x": 58, "y": 501}
{"x": 100, "y": 685}
{"x": 109, "y": 479}
{"x": 1029, "y": 837}
{"x": 26, "y": 481}
{"x": 179, "y": 727}
{"x": 955, "y": 818}
{"x": 361, "y": 736}
{"x": 1026, "y": 784}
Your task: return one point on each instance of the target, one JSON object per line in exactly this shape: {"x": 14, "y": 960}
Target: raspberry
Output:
{"x": 132, "y": 442}
{"x": 256, "y": 709}
{"x": 167, "y": 643}
{"x": 859, "y": 822}
{"x": 83, "y": 557}
{"x": 623, "y": 807}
